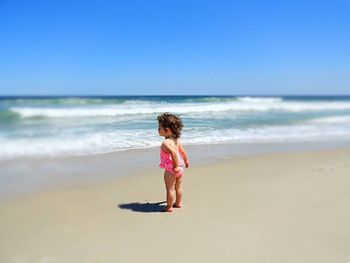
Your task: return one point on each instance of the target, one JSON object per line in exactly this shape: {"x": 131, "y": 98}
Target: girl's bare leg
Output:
{"x": 178, "y": 189}
{"x": 169, "y": 180}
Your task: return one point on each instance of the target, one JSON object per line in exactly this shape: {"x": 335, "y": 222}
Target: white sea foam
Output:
{"x": 102, "y": 142}
{"x": 67, "y": 145}
{"x": 303, "y": 132}
{"x": 180, "y": 108}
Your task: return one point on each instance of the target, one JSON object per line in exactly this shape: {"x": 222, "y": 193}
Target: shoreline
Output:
{"x": 279, "y": 207}
{"x": 28, "y": 176}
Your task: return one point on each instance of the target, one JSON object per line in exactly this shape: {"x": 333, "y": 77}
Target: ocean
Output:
{"x": 36, "y": 127}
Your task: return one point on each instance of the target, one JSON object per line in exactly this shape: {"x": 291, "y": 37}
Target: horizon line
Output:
{"x": 172, "y": 95}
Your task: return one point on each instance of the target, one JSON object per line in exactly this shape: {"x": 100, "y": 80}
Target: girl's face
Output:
{"x": 165, "y": 132}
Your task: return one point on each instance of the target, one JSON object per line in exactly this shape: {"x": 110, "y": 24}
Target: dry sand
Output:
{"x": 290, "y": 207}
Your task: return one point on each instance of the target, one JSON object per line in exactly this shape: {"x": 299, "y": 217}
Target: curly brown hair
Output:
{"x": 172, "y": 122}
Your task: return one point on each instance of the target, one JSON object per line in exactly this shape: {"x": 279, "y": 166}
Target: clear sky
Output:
{"x": 174, "y": 47}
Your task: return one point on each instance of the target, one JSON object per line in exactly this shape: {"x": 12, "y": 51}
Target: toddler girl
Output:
{"x": 172, "y": 158}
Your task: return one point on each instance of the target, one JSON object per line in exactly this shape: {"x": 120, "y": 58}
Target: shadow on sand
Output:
{"x": 144, "y": 207}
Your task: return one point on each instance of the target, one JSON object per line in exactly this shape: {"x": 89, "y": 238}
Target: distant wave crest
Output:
{"x": 260, "y": 99}
{"x": 180, "y": 108}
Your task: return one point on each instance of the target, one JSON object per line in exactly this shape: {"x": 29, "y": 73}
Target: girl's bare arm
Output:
{"x": 183, "y": 154}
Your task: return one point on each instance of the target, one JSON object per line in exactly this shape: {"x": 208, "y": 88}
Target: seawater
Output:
{"x": 67, "y": 126}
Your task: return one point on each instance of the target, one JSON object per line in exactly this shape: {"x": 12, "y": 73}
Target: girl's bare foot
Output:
{"x": 177, "y": 205}
{"x": 168, "y": 209}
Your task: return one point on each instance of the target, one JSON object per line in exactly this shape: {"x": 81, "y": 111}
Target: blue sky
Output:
{"x": 174, "y": 47}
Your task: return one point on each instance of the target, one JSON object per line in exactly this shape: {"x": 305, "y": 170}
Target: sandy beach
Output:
{"x": 280, "y": 207}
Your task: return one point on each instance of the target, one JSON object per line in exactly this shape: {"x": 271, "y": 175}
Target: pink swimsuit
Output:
{"x": 166, "y": 162}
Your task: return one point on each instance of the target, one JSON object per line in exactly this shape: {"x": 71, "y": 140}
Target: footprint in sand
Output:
{"x": 46, "y": 260}
{"x": 325, "y": 169}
